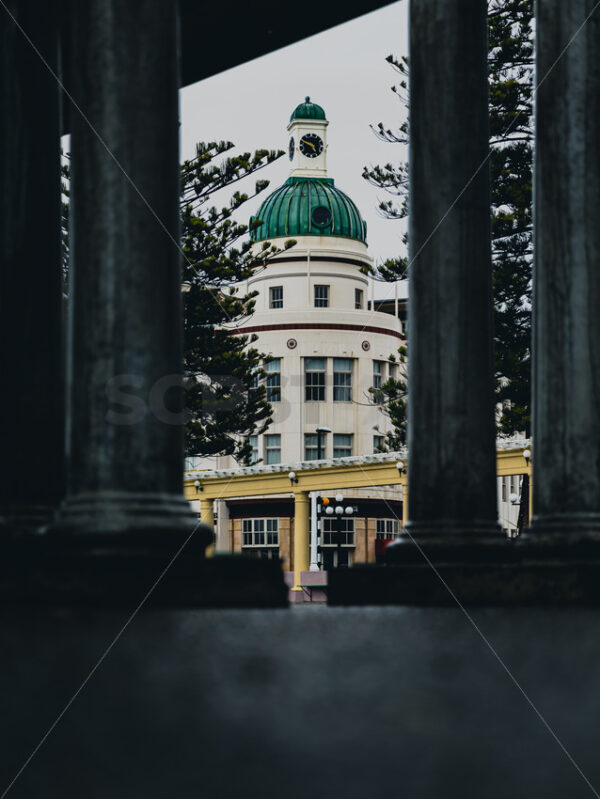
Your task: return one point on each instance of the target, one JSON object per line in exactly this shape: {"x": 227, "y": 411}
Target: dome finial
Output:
{"x": 307, "y": 110}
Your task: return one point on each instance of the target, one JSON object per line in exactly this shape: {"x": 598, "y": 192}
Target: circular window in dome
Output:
{"x": 321, "y": 216}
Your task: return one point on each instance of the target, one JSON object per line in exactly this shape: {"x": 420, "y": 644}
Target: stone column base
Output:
{"x": 445, "y": 541}
{"x": 574, "y": 526}
{"x": 530, "y": 570}
{"x": 46, "y": 572}
{"x": 24, "y": 519}
{"x": 126, "y": 517}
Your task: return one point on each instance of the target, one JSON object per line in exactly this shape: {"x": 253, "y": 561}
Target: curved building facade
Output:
{"x": 325, "y": 342}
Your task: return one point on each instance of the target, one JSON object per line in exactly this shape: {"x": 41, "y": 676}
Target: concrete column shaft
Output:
{"x": 451, "y": 435}
{"x": 566, "y": 339}
{"x": 125, "y": 435}
{"x": 31, "y": 373}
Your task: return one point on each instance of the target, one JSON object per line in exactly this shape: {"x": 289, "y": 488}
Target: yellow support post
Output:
{"x": 207, "y": 515}
{"x": 404, "y": 484}
{"x": 530, "y": 494}
{"x": 301, "y": 536}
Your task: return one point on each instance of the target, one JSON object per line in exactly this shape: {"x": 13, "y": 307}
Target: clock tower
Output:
{"x": 308, "y": 141}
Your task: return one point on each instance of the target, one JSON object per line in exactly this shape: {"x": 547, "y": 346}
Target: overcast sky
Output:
{"x": 345, "y": 71}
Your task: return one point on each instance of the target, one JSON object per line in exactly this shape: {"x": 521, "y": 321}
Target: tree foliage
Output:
{"x": 510, "y": 63}
{"x": 225, "y": 395}
{"x": 391, "y": 397}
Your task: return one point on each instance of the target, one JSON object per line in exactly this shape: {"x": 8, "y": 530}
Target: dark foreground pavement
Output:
{"x": 311, "y": 702}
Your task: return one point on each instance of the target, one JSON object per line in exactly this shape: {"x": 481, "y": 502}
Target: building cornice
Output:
{"x": 242, "y": 331}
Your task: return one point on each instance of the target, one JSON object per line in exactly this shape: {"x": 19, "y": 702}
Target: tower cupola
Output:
{"x": 308, "y": 141}
{"x": 308, "y": 203}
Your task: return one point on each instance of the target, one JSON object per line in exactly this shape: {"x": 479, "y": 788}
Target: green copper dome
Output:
{"x": 308, "y": 207}
{"x": 307, "y": 110}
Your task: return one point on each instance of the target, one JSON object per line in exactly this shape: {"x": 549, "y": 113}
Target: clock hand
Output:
{"x": 306, "y": 141}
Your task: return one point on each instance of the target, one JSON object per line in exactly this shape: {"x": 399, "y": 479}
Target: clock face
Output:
{"x": 311, "y": 145}
{"x": 291, "y": 150}
{"x": 321, "y": 216}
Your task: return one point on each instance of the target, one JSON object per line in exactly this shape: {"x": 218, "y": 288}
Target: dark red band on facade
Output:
{"x": 313, "y": 258}
{"x": 317, "y": 326}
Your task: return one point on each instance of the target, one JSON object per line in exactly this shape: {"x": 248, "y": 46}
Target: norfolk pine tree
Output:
{"x": 511, "y": 141}
{"x": 225, "y": 395}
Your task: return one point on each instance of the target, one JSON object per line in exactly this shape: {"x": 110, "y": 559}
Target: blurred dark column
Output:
{"x": 125, "y": 421}
{"x": 451, "y": 434}
{"x": 566, "y": 339}
{"x": 31, "y": 374}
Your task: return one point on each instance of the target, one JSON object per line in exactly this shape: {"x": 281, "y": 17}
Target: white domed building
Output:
{"x": 327, "y": 344}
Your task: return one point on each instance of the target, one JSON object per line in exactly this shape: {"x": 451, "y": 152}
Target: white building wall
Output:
{"x": 340, "y": 331}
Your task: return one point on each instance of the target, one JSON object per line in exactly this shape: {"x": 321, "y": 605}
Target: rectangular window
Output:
{"x": 321, "y": 296}
{"x": 254, "y": 458}
{"x": 276, "y": 297}
{"x": 260, "y": 533}
{"x": 314, "y": 369}
{"x": 393, "y": 371}
{"x": 342, "y": 445}
{"x": 332, "y": 558}
{"x": 387, "y": 528}
{"x": 504, "y": 489}
{"x": 273, "y": 370}
{"x": 377, "y": 374}
{"x": 311, "y": 447}
{"x": 273, "y": 448}
{"x": 246, "y": 532}
{"x": 358, "y": 299}
{"x": 342, "y": 380}
{"x": 329, "y": 532}
{"x": 378, "y": 443}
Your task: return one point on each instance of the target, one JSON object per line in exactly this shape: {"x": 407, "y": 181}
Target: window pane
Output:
{"x": 387, "y": 528}
{"x": 315, "y": 379}
{"x": 274, "y": 388}
{"x": 341, "y": 394}
{"x": 273, "y": 369}
{"x": 311, "y": 447}
{"x": 321, "y": 296}
{"x": 358, "y": 299}
{"x": 273, "y": 456}
{"x": 342, "y": 440}
{"x": 276, "y": 297}
{"x": 377, "y": 374}
{"x": 273, "y": 440}
{"x": 342, "y": 445}
{"x": 342, "y": 364}
{"x": 342, "y": 380}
